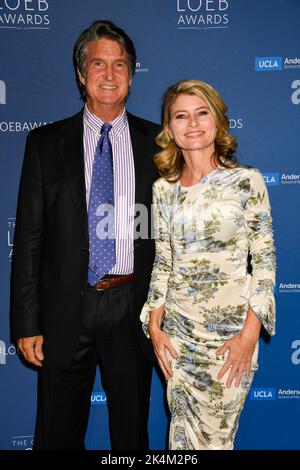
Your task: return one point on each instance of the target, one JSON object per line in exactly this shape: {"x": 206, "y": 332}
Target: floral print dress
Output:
{"x": 204, "y": 235}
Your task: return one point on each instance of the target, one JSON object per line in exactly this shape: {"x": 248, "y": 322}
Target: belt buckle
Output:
{"x": 98, "y": 288}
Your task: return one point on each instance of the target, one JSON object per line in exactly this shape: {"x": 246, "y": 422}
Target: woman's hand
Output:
{"x": 239, "y": 359}
{"x": 240, "y": 351}
{"x": 161, "y": 342}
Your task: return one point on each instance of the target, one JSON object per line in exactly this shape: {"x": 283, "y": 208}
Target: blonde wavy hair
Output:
{"x": 170, "y": 160}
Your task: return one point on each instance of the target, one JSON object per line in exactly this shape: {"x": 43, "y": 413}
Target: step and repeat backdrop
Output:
{"x": 249, "y": 50}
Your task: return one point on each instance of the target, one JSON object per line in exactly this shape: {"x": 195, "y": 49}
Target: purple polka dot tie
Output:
{"x": 102, "y": 243}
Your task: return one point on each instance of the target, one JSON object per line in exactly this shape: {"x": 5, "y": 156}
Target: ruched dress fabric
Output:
{"x": 204, "y": 235}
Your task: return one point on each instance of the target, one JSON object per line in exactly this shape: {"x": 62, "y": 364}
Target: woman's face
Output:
{"x": 192, "y": 125}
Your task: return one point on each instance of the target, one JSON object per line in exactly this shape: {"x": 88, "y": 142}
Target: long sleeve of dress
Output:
{"x": 260, "y": 237}
{"x": 163, "y": 256}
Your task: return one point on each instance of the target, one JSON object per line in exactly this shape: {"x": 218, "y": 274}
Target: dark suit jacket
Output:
{"x": 51, "y": 236}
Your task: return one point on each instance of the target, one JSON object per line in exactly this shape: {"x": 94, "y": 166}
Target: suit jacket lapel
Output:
{"x": 137, "y": 134}
{"x": 72, "y": 154}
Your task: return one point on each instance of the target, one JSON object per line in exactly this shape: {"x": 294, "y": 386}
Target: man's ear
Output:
{"x": 81, "y": 77}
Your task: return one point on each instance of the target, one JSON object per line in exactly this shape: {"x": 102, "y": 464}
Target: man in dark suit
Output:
{"x": 66, "y": 317}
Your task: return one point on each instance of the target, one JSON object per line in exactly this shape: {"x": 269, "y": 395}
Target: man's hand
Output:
{"x": 31, "y": 348}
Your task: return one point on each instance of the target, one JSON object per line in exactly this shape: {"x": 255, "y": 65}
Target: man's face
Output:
{"x": 107, "y": 77}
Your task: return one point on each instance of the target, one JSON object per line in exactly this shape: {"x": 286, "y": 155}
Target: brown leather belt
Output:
{"x": 112, "y": 281}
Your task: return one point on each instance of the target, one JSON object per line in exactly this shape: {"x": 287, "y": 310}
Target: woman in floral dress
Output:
{"x": 205, "y": 309}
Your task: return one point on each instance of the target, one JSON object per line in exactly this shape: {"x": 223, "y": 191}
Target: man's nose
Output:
{"x": 109, "y": 72}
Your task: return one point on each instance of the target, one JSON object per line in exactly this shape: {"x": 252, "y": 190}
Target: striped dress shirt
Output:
{"x": 124, "y": 181}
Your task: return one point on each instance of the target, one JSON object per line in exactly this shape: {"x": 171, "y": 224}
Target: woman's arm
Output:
{"x": 258, "y": 220}
{"x": 153, "y": 311}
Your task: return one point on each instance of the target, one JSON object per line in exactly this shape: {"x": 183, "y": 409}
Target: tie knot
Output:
{"x": 105, "y": 128}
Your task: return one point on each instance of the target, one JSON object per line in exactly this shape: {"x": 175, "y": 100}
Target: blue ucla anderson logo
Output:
{"x": 268, "y": 64}
{"x": 98, "y": 398}
{"x": 271, "y": 179}
{"x": 263, "y": 394}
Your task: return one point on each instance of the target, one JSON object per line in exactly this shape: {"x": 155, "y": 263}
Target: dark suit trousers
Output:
{"x": 107, "y": 339}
